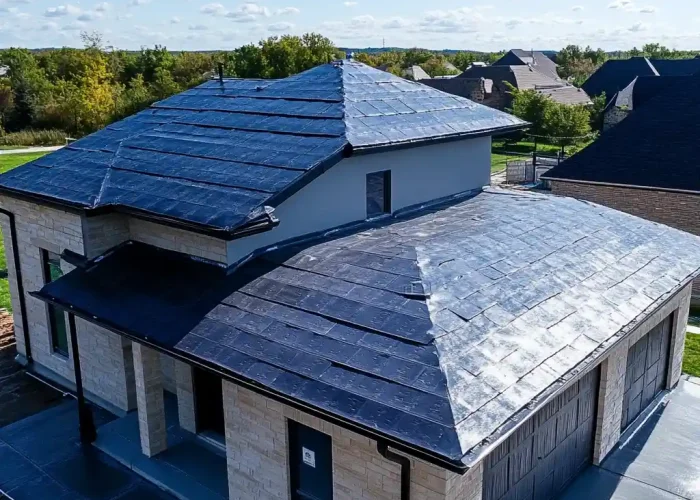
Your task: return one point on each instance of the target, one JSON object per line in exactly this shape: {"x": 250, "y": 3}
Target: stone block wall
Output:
{"x": 105, "y": 358}
{"x": 257, "y": 455}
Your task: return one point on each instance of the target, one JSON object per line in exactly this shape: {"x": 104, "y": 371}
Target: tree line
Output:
{"x": 79, "y": 91}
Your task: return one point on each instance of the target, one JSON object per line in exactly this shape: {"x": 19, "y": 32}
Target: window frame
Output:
{"x": 386, "y": 193}
{"x": 53, "y": 313}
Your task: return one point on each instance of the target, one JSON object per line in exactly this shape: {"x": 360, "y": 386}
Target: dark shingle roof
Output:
{"x": 656, "y": 146}
{"x": 214, "y": 156}
{"x": 540, "y": 61}
{"x": 614, "y": 75}
{"x": 434, "y": 329}
{"x": 644, "y": 88}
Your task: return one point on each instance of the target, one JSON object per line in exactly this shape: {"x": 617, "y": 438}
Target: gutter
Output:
{"x": 20, "y": 284}
{"x": 404, "y": 463}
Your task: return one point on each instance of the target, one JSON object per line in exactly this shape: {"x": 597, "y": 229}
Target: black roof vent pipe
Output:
{"x": 221, "y": 72}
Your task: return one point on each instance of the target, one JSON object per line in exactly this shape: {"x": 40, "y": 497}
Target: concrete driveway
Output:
{"x": 660, "y": 459}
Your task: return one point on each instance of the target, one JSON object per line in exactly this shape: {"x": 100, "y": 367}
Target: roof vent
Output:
{"x": 417, "y": 290}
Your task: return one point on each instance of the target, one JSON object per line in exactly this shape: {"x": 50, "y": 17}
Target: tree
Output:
{"x": 568, "y": 125}
{"x": 6, "y": 102}
{"x": 597, "y": 111}
{"x": 532, "y": 107}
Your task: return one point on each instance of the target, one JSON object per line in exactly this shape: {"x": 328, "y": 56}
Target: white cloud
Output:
{"x": 62, "y": 10}
{"x": 214, "y": 9}
{"x": 102, "y": 7}
{"x": 577, "y": 8}
{"x": 77, "y": 26}
{"x": 396, "y": 23}
{"x": 638, "y": 27}
{"x": 136, "y": 3}
{"x": 365, "y": 21}
{"x": 175, "y": 20}
{"x": 197, "y": 27}
{"x": 350, "y": 4}
{"x": 277, "y": 27}
{"x": 287, "y": 11}
{"x": 89, "y": 16}
{"x": 650, "y": 9}
{"x": 460, "y": 20}
{"x": 50, "y": 26}
{"x": 620, "y": 4}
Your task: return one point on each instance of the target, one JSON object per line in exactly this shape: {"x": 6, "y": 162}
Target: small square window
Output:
{"x": 378, "y": 193}
{"x": 57, "y": 319}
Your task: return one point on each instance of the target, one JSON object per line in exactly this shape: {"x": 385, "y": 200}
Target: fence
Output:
{"x": 528, "y": 170}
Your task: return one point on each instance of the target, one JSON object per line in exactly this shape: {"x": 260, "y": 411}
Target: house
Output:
{"x": 645, "y": 165}
{"x": 536, "y": 60}
{"x": 415, "y": 73}
{"x": 616, "y": 74}
{"x": 636, "y": 94}
{"x": 311, "y": 268}
{"x": 499, "y": 97}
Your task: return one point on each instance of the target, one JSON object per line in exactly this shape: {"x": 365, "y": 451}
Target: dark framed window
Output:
{"x": 378, "y": 193}
{"x": 51, "y": 263}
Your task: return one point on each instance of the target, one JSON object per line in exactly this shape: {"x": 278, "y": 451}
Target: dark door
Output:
{"x": 209, "y": 402}
{"x": 647, "y": 364}
{"x": 549, "y": 450}
{"x": 310, "y": 463}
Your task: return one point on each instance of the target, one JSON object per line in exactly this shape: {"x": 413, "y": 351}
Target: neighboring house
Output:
{"x": 616, "y": 74}
{"x": 637, "y": 93}
{"x": 536, "y": 60}
{"x": 4, "y": 70}
{"x": 451, "y": 67}
{"x": 496, "y": 93}
{"x": 415, "y": 73}
{"x": 312, "y": 268}
{"x": 646, "y": 165}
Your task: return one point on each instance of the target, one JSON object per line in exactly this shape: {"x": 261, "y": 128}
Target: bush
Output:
{"x": 32, "y": 137}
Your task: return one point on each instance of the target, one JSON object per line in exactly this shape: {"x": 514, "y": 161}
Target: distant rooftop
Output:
{"x": 213, "y": 157}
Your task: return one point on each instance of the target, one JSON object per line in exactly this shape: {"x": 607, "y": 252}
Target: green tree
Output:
{"x": 532, "y": 107}
{"x": 597, "y": 111}
{"x": 568, "y": 125}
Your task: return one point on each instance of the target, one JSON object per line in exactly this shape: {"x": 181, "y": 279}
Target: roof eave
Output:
{"x": 613, "y": 184}
{"x": 450, "y": 464}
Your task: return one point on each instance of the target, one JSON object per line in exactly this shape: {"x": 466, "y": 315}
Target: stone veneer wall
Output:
{"x": 256, "y": 449}
{"x": 105, "y": 357}
{"x": 679, "y": 210}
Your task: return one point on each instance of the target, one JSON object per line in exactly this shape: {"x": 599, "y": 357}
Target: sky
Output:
{"x": 438, "y": 24}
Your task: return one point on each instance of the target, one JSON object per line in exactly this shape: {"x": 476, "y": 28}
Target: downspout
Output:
{"x": 404, "y": 462}
{"x": 20, "y": 283}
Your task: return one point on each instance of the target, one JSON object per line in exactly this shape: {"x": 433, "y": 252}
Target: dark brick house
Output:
{"x": 647, "y": 165}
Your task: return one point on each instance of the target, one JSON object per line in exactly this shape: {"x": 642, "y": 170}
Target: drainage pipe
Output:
{"x": 404, "y": 462}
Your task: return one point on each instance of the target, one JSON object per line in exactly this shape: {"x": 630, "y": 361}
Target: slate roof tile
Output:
{"x": 447, "y": 374}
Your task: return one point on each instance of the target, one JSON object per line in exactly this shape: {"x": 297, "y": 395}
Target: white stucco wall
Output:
{"x": 337, "y": 197}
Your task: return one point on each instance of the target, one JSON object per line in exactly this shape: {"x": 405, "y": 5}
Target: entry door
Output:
{"x": 209, "y": 402}
{"x": 647, "y": 364}
{"x": 310, "y": 463}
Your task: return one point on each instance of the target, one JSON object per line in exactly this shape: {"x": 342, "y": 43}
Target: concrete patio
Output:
{"x": 42, "y": 457}
{"x": 658, "y": 459}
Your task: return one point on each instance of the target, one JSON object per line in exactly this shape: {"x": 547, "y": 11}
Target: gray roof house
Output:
{"x": 415, "y": 73}
{"x": 487, "y": 85}
{"x": 535, "y": 59}
{"x": 310, "y": 275}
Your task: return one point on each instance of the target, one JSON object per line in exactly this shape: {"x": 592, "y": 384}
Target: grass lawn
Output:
{"x": 8, "y": 162}
{"x": 691, "y": 358}
{"x": 498, "y": 162}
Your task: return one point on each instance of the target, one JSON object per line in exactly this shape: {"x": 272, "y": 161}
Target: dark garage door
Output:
{"x": 647, "y": 363}
{"x": 548, "y": 450}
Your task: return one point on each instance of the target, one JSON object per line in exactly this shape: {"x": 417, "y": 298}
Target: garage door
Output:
{"x": 548, "y": 450}
{"x": 647, "y": 364}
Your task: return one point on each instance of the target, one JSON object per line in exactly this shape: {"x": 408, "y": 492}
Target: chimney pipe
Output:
{"x": 221, "y": 72}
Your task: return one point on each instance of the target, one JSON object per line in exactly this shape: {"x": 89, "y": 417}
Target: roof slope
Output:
{"x": 527, "y": 78}
{"x": 616, "y": 74}
{"x": 656, "y": 146}
{"x": 214, "y": 156}
{"x": 435, "y": 330}
{"x": 644, "y": 88}
{"x": 537, "y": 60}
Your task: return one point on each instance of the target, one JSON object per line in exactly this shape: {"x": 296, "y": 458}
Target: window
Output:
{"x": 378, "y": 193}
{"x": 57, "y": 320}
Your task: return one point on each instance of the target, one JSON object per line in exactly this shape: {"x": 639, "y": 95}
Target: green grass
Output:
{"x": 498, "y": 162}
{"x": 691, "y": 358}
{"x": 8, "y": 162}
